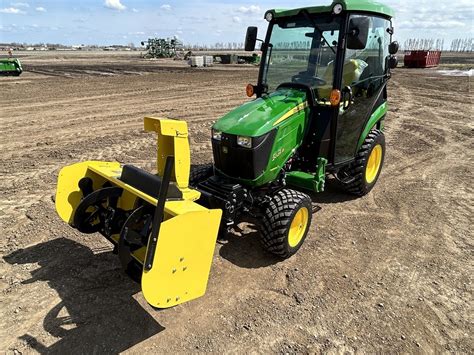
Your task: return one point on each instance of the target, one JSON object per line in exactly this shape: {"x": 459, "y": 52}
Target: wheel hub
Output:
{"x": 373, "y": 164}
{"x": 298, "y": 227}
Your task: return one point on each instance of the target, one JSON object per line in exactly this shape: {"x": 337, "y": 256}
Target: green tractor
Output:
{"x": 321, "y": 100}
{"x": 320, "y": 109}
{"x": 10, "y": 67}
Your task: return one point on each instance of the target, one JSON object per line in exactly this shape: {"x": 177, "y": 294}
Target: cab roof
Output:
{"x": 348, "y": 5}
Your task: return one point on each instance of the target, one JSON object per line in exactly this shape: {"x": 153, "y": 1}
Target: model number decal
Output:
{"x": 277, "y": 153}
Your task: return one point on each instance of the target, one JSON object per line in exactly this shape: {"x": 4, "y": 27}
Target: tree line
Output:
{"x": 431, "y": 44}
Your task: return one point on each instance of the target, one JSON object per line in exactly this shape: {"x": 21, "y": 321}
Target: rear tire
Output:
{"x": 286, "y": 221}
{"x": 200, "y": 173}
{"x": 367, "y": 166}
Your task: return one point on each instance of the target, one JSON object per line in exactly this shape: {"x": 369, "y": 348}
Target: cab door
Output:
{"x": 363, "y": 86}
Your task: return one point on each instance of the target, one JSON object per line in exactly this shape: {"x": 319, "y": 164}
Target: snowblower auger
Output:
{"x": 162, "y": 236}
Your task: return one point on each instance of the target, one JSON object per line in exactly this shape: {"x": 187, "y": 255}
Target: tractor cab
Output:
{"x": 329, "y": 64}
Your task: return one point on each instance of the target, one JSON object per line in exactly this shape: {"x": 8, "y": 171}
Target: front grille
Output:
{"x": 239, "y": 162}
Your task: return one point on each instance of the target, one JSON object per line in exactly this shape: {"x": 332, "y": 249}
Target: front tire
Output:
{"x": 367, "y": 166}
{"x": 200, "y": 173}
{"x": 286, "y": 222}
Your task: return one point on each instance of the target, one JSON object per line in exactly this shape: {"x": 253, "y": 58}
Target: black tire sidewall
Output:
{"x": 199, "y": 173}
{"x": 275, "y": 232}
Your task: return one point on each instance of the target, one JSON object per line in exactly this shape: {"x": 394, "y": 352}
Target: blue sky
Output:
{"x": 205, "y": 22}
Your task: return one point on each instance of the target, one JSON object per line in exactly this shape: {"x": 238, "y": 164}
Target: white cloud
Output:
{"x": 20, "y": 4}
{"x": 236, "y": 19}
{"x": 114, "y": 5}
{"x": 40, "y": 9}
{"x": 430, "y": 25}
{"x": 165, "y": 7}
{"x": 252, "y": 9}
{"x": 11, "y": 10}
{"x": 134, "y": 10}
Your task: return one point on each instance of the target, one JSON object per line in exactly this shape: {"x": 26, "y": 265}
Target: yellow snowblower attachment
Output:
{"x": 162, "y": 236}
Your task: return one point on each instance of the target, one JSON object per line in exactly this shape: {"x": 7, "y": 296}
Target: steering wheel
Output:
{"x": 307, "y": 79}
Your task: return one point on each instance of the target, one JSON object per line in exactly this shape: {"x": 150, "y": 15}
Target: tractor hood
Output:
{"x": 261, "y": 115}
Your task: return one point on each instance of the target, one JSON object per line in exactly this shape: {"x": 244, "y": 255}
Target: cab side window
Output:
{"x": 364, "y": 69}
{"x": 364, "y": 72}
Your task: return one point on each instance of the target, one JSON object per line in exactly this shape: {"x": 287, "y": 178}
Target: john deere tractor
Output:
{"x": 321, "y": 101}
{"x": 10, "y": 67}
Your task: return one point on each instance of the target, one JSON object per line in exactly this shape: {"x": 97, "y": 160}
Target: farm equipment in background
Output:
{"x": 162, "y": 48}
{"x": 10, "y": 67}
{"x": 421, "y": 59}
{"x": 237, "y": 59}
{"x": 249, "y": 59}
{"x": 321, "y": 100}
{"x": 422, "y": 52}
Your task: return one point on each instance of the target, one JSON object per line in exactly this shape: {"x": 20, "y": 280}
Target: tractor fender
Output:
{"x": 376, "y": 117}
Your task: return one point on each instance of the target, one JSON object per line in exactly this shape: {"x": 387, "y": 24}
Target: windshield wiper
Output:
{"x": 308, "y": 17}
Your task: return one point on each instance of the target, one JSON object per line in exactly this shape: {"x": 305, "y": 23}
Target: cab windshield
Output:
{"x": 303, "y": 50}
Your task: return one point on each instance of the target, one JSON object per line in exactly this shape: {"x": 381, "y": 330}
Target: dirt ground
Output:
{"x": 389, "y": 272}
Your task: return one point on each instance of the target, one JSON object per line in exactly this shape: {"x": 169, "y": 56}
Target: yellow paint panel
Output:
{"x": 171, "y": 207}
{"x": 182, "y": 259}
{"x": 166, "y": 127}
{"x": 115, "y": 238}
{"x": 172, "y": 140}
{"x": 140, "y": 254}
{"x": 290, "y": 113}
{"x": 68, "y": 194}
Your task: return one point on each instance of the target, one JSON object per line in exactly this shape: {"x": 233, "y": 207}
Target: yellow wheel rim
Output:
{"x": 298, "y": 227}
{"x": 373, "y": 164}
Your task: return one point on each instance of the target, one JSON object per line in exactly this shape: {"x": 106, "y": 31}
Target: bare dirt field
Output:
{"x": 390, "y": 272}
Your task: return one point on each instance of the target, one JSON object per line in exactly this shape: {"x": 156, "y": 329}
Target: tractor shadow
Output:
{"x": 333, "y": 193}
{"x": 242, "y": 248}
{"x": 97, "y": 313}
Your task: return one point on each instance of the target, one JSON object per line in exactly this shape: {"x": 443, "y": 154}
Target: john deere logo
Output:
{"x": 224, "y": 150}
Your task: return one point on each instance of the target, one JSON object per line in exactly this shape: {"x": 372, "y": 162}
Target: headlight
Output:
{"x": 337, "y": 9}
{"x": 217, "y": 135}
{"x": 245, "y": 142}
{"x": 269, "y": 16}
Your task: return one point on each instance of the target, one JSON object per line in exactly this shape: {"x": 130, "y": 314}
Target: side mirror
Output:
{"x": 358, "y": 32}
{"x": 393, "y": 47}
{"x": 251, "y": 38}
{"x": 392, "y": 62}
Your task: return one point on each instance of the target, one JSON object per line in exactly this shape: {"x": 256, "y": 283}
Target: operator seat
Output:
{"x": 353, "y": 70}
